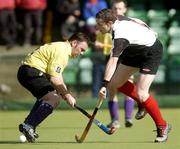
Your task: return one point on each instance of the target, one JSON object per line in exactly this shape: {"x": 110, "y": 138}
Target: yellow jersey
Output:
{"x": 50, "y": 58}
{"x": 106, "y": 40}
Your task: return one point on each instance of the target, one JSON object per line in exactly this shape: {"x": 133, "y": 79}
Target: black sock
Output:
{"x": 34, "y": 108}
{"x": 43, "y": 111}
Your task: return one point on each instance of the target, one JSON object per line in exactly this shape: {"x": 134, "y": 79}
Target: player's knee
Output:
{"x": 142, "y": 96}
{"x": 52, "y": 98}
{"x": 131, "y": 79}
{"x": 114, "y": 98}
{"x": 55, "y": 103}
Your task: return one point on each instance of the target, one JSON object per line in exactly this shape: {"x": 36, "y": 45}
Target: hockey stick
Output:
{"x": 85, "y": 132}
{"x": 107, "y": 130}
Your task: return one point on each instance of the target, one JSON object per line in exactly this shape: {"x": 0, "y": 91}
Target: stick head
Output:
{"x": 112, "y": 130}
{"x": 77, "y": 139}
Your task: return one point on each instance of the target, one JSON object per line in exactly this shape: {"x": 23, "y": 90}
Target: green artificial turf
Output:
{"x": 59, "y": 129}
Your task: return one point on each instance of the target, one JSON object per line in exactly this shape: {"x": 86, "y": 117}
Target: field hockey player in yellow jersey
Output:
{"x": 41, "y": 74}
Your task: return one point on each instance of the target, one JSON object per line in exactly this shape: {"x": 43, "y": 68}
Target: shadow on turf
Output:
{"x": 58, "y": 127}
{"x": 72, "y": 142}
{"x": 10, "y": 142}
{"x": 38, "y": 142}
{"x": 94, "y": 142}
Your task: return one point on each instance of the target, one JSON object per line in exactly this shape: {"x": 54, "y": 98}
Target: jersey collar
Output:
{"x": 69, "y": 48}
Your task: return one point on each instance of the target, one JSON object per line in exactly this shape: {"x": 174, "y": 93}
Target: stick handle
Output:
{"x": 99, "y": 103}
{"x": 82, "y": 111}
{"x": 95, "y": 121}
{"x": 103, "y": 127}
{"x": 86, "y": 130}
{"x": 107, "y": 45}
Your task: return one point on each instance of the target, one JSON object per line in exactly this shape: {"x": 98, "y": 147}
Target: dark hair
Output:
{"x": 106, "y": 15}
{"x": 79, "y": 36}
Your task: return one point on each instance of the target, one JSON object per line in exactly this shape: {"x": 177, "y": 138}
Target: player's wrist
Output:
{"x": 63, "y": 92}
{"x": 66, "y": 96}
{"x": 105, "y": 83}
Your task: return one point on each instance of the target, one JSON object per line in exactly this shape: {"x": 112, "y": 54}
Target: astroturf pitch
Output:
{"x": 58, "y": 131}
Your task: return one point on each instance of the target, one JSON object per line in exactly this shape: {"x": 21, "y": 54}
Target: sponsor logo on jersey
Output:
{"x": 58, "y": 69}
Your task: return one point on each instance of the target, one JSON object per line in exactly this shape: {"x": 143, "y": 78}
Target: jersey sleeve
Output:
{"x": 119, "y": 45}
{"x": 54, "y": 69}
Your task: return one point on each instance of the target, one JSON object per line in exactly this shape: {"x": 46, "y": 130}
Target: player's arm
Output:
{"x": 119, "y": 45}
{"x": 110, "y": 68}
{"x": 59, "y": 85}
{"x": 62, "y": 90}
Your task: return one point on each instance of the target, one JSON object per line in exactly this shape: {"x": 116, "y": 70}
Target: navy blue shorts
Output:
{"x": 34, "y": 80}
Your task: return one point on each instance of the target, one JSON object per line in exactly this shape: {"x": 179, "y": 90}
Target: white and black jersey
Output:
{"x": 137, "y": 44}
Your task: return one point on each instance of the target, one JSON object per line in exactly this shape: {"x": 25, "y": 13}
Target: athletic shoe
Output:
{"x": 128, "y": 123}
{"x": 36, "y": 135}
{"x": 28, "y": 131}
{"x": 140, "y": 113}
{"x": 162, "y": 133}
{"x": 114, "y": 124}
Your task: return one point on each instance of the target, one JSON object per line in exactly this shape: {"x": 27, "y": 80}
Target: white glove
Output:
{"x": 103, "y": 92}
